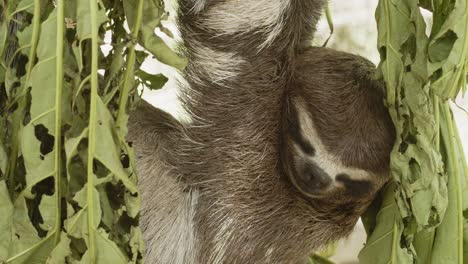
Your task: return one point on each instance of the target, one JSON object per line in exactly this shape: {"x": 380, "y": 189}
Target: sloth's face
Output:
{"x": 339, "y": 134}
{"x": 317, "y": 172}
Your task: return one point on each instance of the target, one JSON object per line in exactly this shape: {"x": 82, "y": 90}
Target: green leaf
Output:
{"x": 71, "y": 201}
{"x": 107, "y": 251}
{"x": 416, "y": 164}
{"x": 152, "y": 10}
{"x": 6, "y": 211}
{"x": 25, "y": 5}
{"x": 152, "y": 81}
{"x": 108, "y": 154}
{"x": 47, "y": 209}
{"x": 83, "y": 27}
{"x": 61, "y": 251}
{"x": 37, "y": 254}
{"x": 451, "y": 228}
{"x": 316, "y": 259}
{"x": 3, "y": 157}
{"x": 426, "y": 213}
{"x": 77, "y": 225}
{"x": 25, "y": 236}
{"x": 451, "y": 72}
{"x": 38, "y": 135}
{"x": 383, "y": 245}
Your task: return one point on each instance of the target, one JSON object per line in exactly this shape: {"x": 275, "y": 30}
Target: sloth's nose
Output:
{"x": 315, "y": 179}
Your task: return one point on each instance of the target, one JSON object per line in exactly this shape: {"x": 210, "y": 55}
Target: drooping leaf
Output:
{"x": 148, "y": 38}
{"x": 383, "y": 245}
{"x": 153, "y": 82}
{"x": 451, "y": 228}
{"x": 427, "y": 162}
{"x": 38, "y": 253}
{"x": 83, "y": 27}
{"x": 452, "y": 39}
{"x": 56, "y": 177}
{"x": 61, "y": 251}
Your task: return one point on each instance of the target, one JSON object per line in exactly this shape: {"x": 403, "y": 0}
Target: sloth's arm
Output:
{"x": 251, "y": 24}
{"x": 151, "y": 130}
{"x": 241, "y": 53}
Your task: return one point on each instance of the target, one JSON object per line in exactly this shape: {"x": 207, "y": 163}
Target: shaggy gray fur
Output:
{"x": 229, "y": 187}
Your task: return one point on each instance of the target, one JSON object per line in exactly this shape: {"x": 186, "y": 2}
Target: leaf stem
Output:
{"x": 456, "y": 84}
{"x": 394, "y": 241}
{"x": 454, "y": 164}
{"x": 58, "y": 116}
{"x": 330, "y": 24}
{"x": 92, "y": 128}
{"x": 18, "y": 119}
{"x": 129, "y": 73}
{"x": 435, "y": 102}
{"x": 462, "y": 156}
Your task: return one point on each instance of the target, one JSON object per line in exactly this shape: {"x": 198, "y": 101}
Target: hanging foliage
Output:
{"x": 422, "y": 216}
{"x": 67, "y": 176}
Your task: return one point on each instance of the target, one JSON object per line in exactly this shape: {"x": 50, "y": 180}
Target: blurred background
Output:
{"x": 354, "y": 31}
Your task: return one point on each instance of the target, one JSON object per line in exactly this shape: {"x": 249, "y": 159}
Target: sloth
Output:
{"x": 286, "y": 146}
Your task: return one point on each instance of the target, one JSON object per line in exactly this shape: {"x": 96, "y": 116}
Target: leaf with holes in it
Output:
{"x": 383, "y": 245}
{"x": 33, "y": 226}
{"x": 415, "y": 162}
{"x": 38, "y": 135}
{"x": 136, "y": 242}
{"x": 61, "y": 251}
{"x": 108, "y": 252}
{"x": 76, "y": 170}
{"x": 77, "y": 225}
{"x": 109, "y": 155}
{"x": 37, "y": 208}
{"x": 449, "y": 50}
{"x": 23, "y": 233}
{"x": 37, "y": 148}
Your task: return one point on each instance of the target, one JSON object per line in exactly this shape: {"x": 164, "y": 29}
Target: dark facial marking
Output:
{"x": 295, "y": 132}
{"x": 354, "y": 187}
{"x": 314, "y": 178}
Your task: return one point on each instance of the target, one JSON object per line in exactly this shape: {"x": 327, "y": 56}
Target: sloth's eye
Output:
{"x": 315, "y": 179}
{"x": 353, "y": 187}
